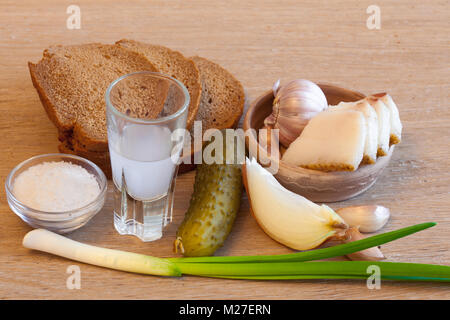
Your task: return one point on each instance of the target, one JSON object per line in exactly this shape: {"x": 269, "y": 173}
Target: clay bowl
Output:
{"x": 315, "y": 185}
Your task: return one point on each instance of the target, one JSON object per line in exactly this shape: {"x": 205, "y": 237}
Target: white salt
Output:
{"x": 56, "y": 186}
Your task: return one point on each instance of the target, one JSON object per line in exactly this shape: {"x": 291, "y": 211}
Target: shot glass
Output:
{"x": 145, "y": 114}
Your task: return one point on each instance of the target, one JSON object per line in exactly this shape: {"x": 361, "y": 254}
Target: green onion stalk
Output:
{"x": 294, "y": 266}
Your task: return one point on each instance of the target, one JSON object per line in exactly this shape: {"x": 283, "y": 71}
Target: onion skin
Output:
{"x": 294, "y": 105}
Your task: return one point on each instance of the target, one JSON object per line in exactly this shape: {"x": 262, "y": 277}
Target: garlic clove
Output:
{"x": 371, "y": 254}
{"x": 288, "y": 127}
{"x": 368, "y": 218}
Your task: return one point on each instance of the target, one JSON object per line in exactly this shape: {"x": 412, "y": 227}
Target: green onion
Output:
{"x": 281, "y": 267}
{"x": 296, "y": 277}
{"x": 329, "y": 277}
{"x": 323, "y": 269}
{"x": 316, "y": 254}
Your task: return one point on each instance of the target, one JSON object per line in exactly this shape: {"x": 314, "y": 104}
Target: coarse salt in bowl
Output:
{"x": 58, "y": 192}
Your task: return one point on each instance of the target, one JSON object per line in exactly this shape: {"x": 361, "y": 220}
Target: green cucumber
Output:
{"x": 213, "y": 207}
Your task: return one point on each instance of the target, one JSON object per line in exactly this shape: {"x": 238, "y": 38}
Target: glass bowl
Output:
{"x": 61, "y": 222}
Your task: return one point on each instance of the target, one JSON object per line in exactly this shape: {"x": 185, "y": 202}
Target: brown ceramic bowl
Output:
{"x": 315, "y": 185}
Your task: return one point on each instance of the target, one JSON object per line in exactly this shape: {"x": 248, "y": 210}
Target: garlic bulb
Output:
{"x": 367, "y": 218}
{"x": 294, "y": 105}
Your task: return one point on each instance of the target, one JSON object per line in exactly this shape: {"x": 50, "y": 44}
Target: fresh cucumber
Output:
{"x": 213, "y": 207}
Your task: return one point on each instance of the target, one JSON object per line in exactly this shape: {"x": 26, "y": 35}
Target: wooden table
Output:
{"x": 259, "y": 42}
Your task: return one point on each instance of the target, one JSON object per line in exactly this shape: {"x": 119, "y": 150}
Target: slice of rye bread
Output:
{"x": 71, "y": 82}
{"x": 222, "y": 100}
{"x": 100, "y": 159}
{"x": 174, "y": 64}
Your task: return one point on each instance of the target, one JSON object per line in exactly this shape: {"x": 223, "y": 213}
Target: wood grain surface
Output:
{"x": 259, "y": 42}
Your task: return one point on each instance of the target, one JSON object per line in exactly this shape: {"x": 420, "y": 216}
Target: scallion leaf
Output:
{"x": 316, "y": 254}
{"x": 290, "y": 270}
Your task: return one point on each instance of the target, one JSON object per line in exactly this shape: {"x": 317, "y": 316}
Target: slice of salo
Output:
{"x": 371, "y": 143}
{"x": 396, "y": 124}
{"x": 331, "y": 141}
{"x": 384, "y": 124}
